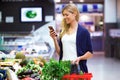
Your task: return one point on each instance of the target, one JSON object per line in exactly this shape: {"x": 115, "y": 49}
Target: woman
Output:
{"x": 74, "y": 40}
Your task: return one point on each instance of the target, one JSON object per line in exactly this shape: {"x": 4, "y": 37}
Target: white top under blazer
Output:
{"x": 69, "y": 46}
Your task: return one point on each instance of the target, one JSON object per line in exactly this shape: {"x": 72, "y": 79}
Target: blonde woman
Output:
{"x": 74, "y": 40}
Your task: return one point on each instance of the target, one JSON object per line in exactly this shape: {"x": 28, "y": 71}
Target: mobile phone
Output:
{"x": 51, "y": 28}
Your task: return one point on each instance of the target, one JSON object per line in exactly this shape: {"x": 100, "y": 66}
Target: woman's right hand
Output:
{"x": 53, "y": 34}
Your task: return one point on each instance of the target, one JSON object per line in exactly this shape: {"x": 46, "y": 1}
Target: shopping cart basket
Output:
{"x": 85, "y": 76}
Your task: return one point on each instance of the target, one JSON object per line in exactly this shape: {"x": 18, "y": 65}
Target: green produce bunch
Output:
{"x": 30, "y": 70}
{"x": 54, "y": 70}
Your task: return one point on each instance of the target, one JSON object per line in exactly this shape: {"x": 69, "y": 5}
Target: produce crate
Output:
{"x": 85, "y": 76}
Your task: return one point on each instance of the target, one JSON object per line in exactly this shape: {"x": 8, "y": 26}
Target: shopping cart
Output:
{"x": 85, "y": 76}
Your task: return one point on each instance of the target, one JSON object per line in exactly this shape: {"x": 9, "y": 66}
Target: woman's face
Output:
{"x": 69, "y": 17}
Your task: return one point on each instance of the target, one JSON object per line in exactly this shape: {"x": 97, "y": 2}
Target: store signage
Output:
{"x": 83, "y": 8}
{"x": 114, "y": 33}
{"x": 31, "y": 14}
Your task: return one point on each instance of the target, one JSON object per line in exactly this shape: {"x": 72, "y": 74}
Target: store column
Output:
{"x": 110, "y": 22}
{"x": 118, "y": 22}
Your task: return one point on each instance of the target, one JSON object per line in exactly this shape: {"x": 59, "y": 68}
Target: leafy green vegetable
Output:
{"x": 29, "y": 69}
{"x": 54, "y": 70}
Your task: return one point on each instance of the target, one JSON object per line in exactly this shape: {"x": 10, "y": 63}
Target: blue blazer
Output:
{"x": 83, "y": 44}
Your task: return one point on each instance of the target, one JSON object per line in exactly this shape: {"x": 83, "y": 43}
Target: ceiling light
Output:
{"x": 56, "y": 0}
{"x": 81, "y": 0}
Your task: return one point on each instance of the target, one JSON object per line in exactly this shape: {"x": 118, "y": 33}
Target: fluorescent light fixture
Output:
{"x": 81, "y": 0}
{"x": 85, "y": 18}
{"x": 56, "y": 0}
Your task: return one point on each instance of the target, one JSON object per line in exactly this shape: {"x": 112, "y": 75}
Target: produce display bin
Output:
{"x": 85, "y": 76}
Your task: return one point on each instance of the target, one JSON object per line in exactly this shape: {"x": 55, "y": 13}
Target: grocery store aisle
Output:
{"x": 104, "y": 68}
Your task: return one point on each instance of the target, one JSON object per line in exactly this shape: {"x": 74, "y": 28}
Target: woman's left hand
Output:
{"x": 76, "y": 61}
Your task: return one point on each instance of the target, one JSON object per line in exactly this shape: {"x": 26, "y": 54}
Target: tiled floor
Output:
{"x": 104, "y": 68}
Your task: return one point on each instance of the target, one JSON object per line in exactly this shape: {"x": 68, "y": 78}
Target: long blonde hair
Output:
{"x": 72, "y": 8}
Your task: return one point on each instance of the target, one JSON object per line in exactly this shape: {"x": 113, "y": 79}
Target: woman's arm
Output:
{"x": 55, "y": 39}
{"x": 89, "y": 53}
{"x": 56, "y": 46}
{"x": 86, "y": 56}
